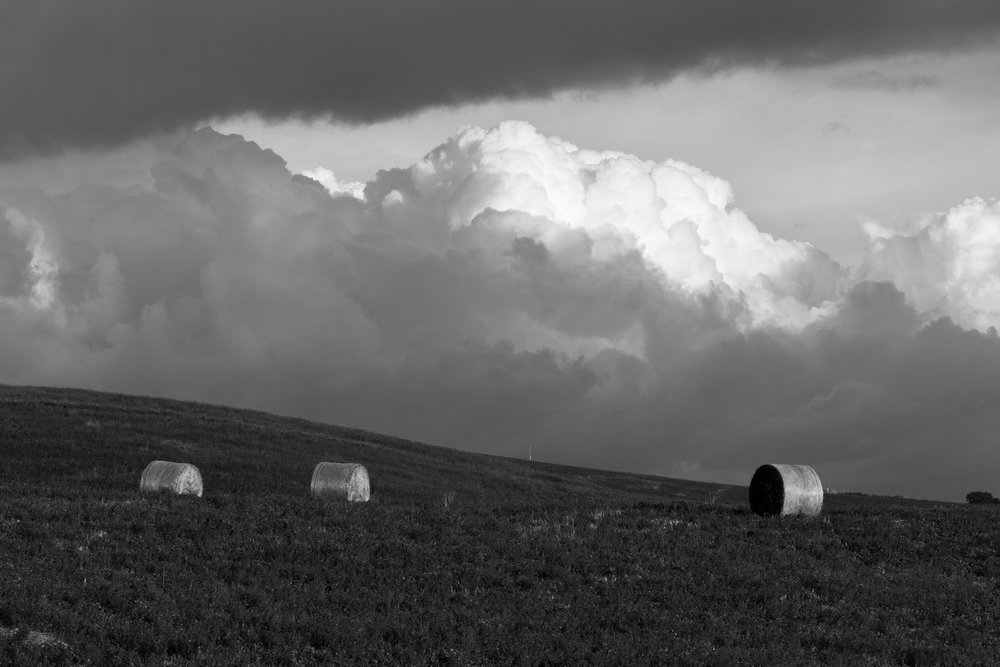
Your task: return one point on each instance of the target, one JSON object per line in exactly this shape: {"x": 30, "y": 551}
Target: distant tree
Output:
{"x": 981, "y": 498}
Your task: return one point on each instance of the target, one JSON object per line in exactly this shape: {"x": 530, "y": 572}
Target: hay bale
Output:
{"x": 340, "y": 480}
{"x": 180, "y": 478}
{"x": 786, "y": 490}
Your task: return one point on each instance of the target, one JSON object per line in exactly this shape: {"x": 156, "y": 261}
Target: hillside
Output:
{"x": 458, "y": 559}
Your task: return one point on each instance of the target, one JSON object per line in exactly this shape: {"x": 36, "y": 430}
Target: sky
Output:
{"x": 664, "y": 237}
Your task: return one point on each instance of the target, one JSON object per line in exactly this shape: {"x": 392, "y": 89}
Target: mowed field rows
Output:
{"x": 457, "y": 559}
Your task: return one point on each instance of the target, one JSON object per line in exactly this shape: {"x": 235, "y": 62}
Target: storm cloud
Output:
{"x": 509, "y": 288}
{"x": 97, "y": 73}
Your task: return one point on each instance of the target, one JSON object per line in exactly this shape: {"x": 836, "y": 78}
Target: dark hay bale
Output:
{"x": 786, "y": 490}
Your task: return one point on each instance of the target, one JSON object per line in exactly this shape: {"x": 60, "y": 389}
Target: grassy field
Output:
{"x": 458, "y": 559}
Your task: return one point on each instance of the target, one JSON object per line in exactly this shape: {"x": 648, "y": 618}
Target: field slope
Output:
{"x": 458, "y": 559}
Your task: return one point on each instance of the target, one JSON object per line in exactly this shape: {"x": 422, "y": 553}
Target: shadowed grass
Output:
{"x": 458, "y": 558}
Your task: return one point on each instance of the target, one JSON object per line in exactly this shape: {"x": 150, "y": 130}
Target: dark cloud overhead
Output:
{"x": 103, "y": 71}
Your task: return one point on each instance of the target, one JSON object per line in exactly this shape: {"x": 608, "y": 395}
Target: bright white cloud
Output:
{"x": 950, "y": 265}
{"x": 335, "y": 186}
{"x": 678, "y": 218}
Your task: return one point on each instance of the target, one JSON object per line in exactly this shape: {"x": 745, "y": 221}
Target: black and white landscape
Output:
{"x": 673, "y": 238}
{"x": 452, "y": 332}
{"x": 457, "y": 558}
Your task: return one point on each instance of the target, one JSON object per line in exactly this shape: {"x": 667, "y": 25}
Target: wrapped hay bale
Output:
{"x": 180, "y": 478}
{"x": 786, "y": 490}
{"x": 340, "y": 480}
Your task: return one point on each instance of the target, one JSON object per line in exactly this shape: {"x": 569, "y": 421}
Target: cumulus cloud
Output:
{"x": 334, "y": 185}
{"x": 104, "y": 71}
{"x": 950, "y": 264}
{"x": 507, "y": 289}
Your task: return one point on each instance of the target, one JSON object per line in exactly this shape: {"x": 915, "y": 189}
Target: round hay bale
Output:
{"x": 340, "y": 480}
{"x": 786, "y": 490}
{"x": 180, "y": 478}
